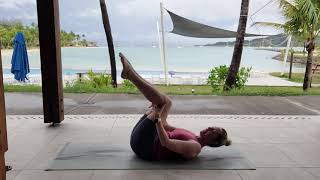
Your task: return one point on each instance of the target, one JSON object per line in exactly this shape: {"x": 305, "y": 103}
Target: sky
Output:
{"x": 133, "y": 22}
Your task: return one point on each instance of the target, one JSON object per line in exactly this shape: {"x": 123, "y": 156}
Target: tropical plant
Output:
{"x": 128, "y": 84}
{"x": 97, "y": 80}
{"x": 238, "y": 47}
{"x": 217, "y": 77}
{"x": 302, "y": 21}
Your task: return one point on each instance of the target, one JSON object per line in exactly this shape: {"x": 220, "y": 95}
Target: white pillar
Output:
{"x": 163, "y": 45}
{"x": 160, "y": 45}
{"x": 286, "y": 55}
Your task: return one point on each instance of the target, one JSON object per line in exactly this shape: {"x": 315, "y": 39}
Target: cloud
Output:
{"x": 223, "y": 14}
{"x": 203, "y": 10}
{"x": 90, "y": 13}
{"x": 135, "y": 20}
{"x": 14, "y": 4}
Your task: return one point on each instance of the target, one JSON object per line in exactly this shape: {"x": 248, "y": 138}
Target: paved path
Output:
{"x": 265, "y": 79}
{"x": 31, "y": 104}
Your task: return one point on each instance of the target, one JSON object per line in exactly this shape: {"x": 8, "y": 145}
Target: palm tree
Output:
{"x": 107, "y": 28}
{"x": 77, "y": 39}
{"x": 238, "y": 47}
{"x": 302, "y": 21}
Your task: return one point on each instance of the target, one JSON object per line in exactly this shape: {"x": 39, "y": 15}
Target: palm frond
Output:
{"x": 302, "y": 18}
{"x": 287, "y": 4}
{"x": 287, "y": 7}
{"x": 317, "y": 27}
{"x": 269, "y": 24}
{"x": 308, "y": 9}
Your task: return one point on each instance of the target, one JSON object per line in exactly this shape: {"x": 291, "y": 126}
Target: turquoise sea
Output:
{"x": 147, "y": 59}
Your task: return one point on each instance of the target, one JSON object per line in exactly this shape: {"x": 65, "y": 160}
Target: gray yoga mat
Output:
{"x": 83, "y": 156}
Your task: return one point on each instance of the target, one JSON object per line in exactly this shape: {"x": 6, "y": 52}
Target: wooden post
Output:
{"x": 3, "y": 125}
{"x": 2, "y": 162}
{"x": 107, "y": 28}
{"x": 50, "y": 53}
{"x": 291, "y": 62}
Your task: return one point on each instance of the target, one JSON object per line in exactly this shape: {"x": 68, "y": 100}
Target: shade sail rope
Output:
{"x": 280, "y": 44}
{"x": 260, "y": 9}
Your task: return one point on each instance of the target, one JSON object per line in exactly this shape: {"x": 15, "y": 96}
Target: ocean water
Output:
{"x": 147, "y": 60}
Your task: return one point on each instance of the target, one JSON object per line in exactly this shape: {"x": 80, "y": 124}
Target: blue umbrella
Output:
{"x": 19, "y": 61}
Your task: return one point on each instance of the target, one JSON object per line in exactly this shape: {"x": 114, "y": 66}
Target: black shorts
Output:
{"x": 143, "y": 138}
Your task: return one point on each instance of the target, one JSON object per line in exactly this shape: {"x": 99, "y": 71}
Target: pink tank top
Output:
{"x": 163, "y": 153}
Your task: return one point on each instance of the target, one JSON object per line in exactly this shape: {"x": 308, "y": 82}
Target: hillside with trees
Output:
{"x": 273, "y": 41}
{"x": 8, "y": 30}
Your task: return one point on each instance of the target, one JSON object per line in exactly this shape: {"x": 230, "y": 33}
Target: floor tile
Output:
{"x": 307, "y": 155}
{"x": 54, "y": 175}
{"x": 276, "y": 174}
{"x": 109, "y": 175}
{"x": 12, "y": 174}
{"x": 203, "y": 175}
{"x": 265, "y": 155}
{"x": 314, "y": 171}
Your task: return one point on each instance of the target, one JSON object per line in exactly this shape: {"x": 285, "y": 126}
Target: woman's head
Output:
{"x": 215, "y": 137}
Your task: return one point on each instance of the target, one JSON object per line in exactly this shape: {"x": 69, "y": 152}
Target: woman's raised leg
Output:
{"x": 146, "y": 88}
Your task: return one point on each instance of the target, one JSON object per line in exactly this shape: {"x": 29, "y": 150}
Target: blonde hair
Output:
{"x": 222, "y": 140}
{"x": 228, "y": 142}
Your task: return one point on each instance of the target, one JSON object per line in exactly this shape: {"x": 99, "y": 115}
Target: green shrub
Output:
{"x": 242, "y": 77}
{"x": 218, "y": 76}
{"x": 98, "y": 80}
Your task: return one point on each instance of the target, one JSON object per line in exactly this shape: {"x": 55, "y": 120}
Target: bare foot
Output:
{"x": 126, "y": 66}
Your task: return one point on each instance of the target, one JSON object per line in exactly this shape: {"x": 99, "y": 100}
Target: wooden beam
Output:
{"x": 50, "y": 53}
{"x": 2, "y": 162}
{"x": 3, "y": 125}
{"x": 107, "y": 28}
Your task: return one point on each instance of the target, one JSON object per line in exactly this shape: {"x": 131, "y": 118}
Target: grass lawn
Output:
{"x": 179, "y": 90}
{"x": 22, "y": 88}
{"x": 298, "y": 77}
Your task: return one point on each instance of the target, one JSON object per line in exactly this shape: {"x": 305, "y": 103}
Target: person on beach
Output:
{"x": 153, "y": 138}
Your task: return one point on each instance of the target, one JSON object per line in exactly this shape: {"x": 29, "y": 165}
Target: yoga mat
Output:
{"x": 84, "y": 156}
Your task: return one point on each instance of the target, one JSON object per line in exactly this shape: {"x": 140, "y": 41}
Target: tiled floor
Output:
{"x": 281, "y": 147}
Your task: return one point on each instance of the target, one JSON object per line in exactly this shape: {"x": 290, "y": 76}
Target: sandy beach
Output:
{"x": 8, "y": 52}
{"x": 255, "y": 79}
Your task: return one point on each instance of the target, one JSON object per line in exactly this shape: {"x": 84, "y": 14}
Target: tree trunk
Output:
{"x": 238, "y": 47}
{"x": 107, "y": 28}
{"x": 308, "y": 73}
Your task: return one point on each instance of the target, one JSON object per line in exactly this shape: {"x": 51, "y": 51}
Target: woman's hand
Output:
{"x": 156, "y": 111}
{"x": 159, "y": 113}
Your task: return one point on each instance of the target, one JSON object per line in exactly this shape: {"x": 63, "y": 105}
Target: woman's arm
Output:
{"x": 188, "y": 149}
